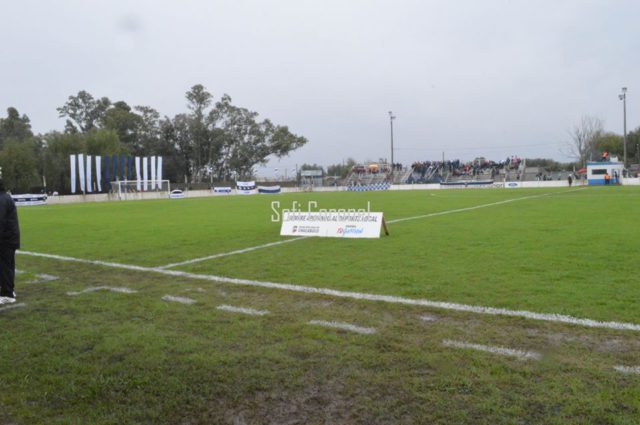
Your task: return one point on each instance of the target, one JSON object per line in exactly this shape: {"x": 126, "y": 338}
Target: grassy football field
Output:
{"x": 473, "y": 310}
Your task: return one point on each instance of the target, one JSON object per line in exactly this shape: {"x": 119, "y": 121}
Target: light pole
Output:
{"x": 623, "y": 98}
{"x": 391, "y": 118}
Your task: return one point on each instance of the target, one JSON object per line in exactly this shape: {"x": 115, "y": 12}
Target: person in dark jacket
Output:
{"x": 9, "y": 242}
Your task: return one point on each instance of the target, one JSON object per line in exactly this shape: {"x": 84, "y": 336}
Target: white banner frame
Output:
{"x": 333, "y": 224}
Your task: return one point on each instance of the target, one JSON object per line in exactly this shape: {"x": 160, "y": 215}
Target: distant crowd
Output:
{"x": 459, "y": 168}
{"x": 426, "y": 170}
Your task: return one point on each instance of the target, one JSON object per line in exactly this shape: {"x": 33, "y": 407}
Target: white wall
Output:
{"x": 542, "y": 184}
{"x": 71, "y": 199}
{"x": 630, "y": 181}
{"x": 430, "y": 186}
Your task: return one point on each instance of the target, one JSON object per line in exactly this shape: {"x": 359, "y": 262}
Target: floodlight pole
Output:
{"x": 623, "y": 98}
{"x": 391, "y": 118}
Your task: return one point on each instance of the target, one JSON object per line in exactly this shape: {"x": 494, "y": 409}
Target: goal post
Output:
{"x": 139, "y": 189}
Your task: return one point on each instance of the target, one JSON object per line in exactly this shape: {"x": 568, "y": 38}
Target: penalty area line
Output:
{"x": 492, "y": 311}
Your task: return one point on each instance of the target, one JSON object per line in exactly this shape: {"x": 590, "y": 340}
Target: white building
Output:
{"x": 596, "y": 172}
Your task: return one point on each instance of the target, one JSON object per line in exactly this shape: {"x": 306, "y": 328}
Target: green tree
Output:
{"x": 148, "y": 132}
{"x": 611, "y": 142}
{"x": 552, "y": 165}
{"x": 175, "y": 134}
{"x": 205, "y": 141}
{"x": 198, "y": 100}
{"x": 83, "y": 112}
{"x": 633, "y": 146}
{"x": 341, "y": 170}
{"x": 126, "y": 123}
{"x": 314, "y": 166}
{"x": 244, "y": 142}
{"x": 19, "y": 165}
{"x": 282, "y": 141}
{"x": 14, "y": 126}
{"x": 59, "y": 146}
{"x": 103, "y": 142}
{"x": 57, "y": 170}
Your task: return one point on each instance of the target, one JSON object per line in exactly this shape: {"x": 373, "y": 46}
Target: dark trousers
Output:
{"x": 7, "y": 271}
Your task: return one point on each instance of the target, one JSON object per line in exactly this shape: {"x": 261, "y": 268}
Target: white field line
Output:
{"x": 12, "y": 306}
{"x": 43, "y": 278}
{"x": 398, "y": 220}
{"x": 521, "y": 354}
{"x": 195, "y": 289}
{"x": 103, "y": 288}
{"x": 635, "y": 370}
{"x": 506, "y": 201}
{"x": 243, "y": 310}
{"x": 493, "y": 311}
{"x": 226, "y": 254}
{"x": 81, "y": 260}
{"x": 181, "y": 300}
{"x": 343, "y": 326}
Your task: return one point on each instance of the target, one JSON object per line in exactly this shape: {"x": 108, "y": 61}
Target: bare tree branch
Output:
{"x": 584, "y": 137}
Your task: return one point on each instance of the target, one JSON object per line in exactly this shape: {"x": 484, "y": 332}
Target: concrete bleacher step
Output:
{"x": 403, "y": 176}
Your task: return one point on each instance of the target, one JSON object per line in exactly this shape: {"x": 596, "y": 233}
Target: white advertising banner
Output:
{"x": 332, "y": 224}
{"x": 72, "y": 164}
{"x": 145, "y": 174}
{"x": 89, "y": 179}
{"x": 99, "y": 172}
{"x": 81, "y": 172}
{"x": 246, "y": 188}
{"x": 159, "y": 173}
{"x": 153, "y": 173}
{"x": 30, "y": 199}
{"x": 138, "y": 176}
{"x": 222, "y": 190}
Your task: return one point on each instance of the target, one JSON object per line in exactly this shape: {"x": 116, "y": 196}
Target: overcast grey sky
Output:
{"x": 470, "y": 78}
